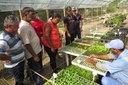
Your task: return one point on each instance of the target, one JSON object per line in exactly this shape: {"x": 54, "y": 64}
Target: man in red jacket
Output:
{"x": 38, "y": 26}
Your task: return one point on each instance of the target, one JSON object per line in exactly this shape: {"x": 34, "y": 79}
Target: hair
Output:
{"x": 10, "y": 20}
{"x": 122, "y": 49}
{"x": 56, "y": 15}
{"x": 68, "y": 7}
{"x": 26, "y": 10}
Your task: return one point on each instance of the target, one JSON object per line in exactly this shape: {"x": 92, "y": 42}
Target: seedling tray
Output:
{"x": 80, "y": 61}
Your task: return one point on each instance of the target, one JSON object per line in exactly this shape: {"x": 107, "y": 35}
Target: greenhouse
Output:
{"x": 63, "y": 42}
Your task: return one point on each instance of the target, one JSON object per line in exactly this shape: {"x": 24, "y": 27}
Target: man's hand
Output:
{"x": 89, "y": 60}
{"x": 53, "y": 50}
{"x": 93, "y": 56}
{"x": 68, "y": 34}
{"x": 5, "y": 60}
{"x": 81, "y": 29}
{"x": 61, "y": 34}
{"x": 36, "y": 58}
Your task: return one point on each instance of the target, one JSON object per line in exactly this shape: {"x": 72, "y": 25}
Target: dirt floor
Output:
{"x": 95, "y": 26}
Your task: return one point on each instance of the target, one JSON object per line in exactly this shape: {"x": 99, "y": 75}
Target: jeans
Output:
{"x": 52, "y": 57}
{"x": 78, "y": 31}
{"x": 36, "y": 67}
{"x": 110, "y": 81}
{"x": 18, "y": 73}
{"x": 69, "y": 39}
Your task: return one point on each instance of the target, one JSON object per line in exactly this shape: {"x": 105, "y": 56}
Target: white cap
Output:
{"x": 116, "y": 44}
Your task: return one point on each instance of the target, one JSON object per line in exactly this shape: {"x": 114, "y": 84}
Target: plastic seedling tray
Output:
{"x": 80, "y": 61}
{"x": 74, "y": 49}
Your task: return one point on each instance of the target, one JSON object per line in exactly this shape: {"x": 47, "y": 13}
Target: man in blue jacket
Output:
{"x": 118, "y": 69}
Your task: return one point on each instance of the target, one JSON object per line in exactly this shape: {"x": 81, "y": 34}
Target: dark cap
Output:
{"x": 28, "y": 9}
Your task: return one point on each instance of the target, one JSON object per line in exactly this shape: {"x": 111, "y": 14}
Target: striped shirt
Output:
{"x": 12, "y": 47}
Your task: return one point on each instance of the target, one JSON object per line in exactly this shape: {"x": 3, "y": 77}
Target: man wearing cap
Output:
{"x": 31, "y": 42}
{"x": 79, "y": 22}
{"x": 118, "y": 69}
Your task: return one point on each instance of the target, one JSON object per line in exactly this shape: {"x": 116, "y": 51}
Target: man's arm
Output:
{"x": 97, "y": 64}
{"x": 34, "y": 55}
{"x": 25, "y": 37}
{"x": 81, "y": 24}
{"x": 66, "y": 26}
{"x": 48, "y": 30}
{"x": 105, "y": 57}
{"x": 4, "y": 57}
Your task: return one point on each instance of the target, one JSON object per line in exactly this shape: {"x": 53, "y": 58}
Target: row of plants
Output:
{"x": 75, "y": 48}
{"x": 97, "y": 48}
{"x": 117, "y": 20}
{"x": 116, "y": 33}
{"x": 87, "y": 40}
{"x": 73, "y": 75}
{"x": 81, "y": 60}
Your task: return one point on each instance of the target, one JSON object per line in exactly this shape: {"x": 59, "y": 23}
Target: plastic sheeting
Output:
{"x": 11, "y": 5}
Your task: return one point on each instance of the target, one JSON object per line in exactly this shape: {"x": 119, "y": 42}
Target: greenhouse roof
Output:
{"x": 10, "y": 5}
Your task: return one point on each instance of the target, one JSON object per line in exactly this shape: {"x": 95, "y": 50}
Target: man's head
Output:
{"x": 56, "y": 18}
{"x": 69, "y": 10}
{"x": 74, "y": 9}
{"x": 11, "y": 24}
{"x": 115, "y": 46}
{"x": 28, "y": 13}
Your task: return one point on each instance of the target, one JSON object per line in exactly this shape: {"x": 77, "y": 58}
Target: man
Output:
{"x": 52, "y": 39}
{"x": 118, "y": 69}
{"x": 31, "y": 42}
{"x": 38, "y": 25}
{"x": 11, "y": 49}
{"x": 69, "y": 25}
{"x": 79, "y": 23}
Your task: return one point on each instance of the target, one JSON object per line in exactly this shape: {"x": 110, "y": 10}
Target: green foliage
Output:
{"x": 75, "y": 48}
{"x": 117, "y": 20}
{"x": 112, "y": 7}
{"x": 91, "y": 66}
{"x": 109, "y": 36}
{"x": 61, "y": 29}
{"x": 96, "y": 49}
{"x": 73, "y": 76}
{"x": 42, "y": 15}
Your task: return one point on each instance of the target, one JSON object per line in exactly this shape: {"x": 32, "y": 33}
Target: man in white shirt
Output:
{"x": 31, "y": 42}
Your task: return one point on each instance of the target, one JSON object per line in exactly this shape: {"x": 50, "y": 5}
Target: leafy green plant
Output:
{"x": 73, "y": 76}
{"x": 96, "y": 49}
{"x": 75, "y": 48}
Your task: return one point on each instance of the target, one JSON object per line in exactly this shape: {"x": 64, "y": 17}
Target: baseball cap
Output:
{"x": 73, "y": 8}
{"x": 116, "y": 44}
{"x": 28, "y": 9}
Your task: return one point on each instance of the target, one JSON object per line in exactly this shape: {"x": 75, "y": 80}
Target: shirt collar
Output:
{"x": 23, "y": 22}
{"x": 123, "y": 54}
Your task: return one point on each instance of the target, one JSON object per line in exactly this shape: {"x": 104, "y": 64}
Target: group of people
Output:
{"x": 72, "y": 24}
{"x": 20, "y": 42}
{"x": 24, "y": 40}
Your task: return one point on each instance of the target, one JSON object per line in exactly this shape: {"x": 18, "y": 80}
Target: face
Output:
{"x": 13, "y": 28}
{"x": 74, "y": 11}
{"x": 114, "y": 51}
{"x": 69, "y": 11}
{"x": 30, "y": 16}
{"x": 56, "y": 20}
